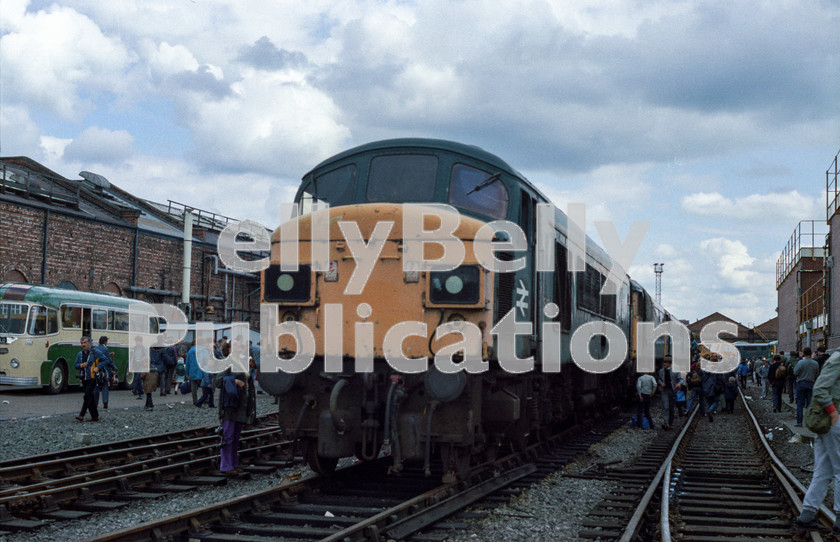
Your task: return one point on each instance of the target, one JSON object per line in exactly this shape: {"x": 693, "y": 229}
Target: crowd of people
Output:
{"x": 800, "y": 377}
{"x": 178, "y": 369}
{"x": 777, "y": 376}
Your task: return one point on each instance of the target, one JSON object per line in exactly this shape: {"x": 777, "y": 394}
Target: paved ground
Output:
{"x": 24, "y": 403}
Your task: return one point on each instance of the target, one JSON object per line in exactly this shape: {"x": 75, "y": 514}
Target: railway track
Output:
{"x": 75, "y": 483}
{"x": 362, "y": 503}
{"x": 722, "y": 482}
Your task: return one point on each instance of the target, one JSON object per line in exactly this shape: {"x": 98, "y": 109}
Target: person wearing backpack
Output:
{"x": 694, "y": 383}
{"x": 790, "y": 365}
{"x": 645, "y": 389}
{"x": 742, "y": 371}
{"x": 778, "y": 378}
{"x": 826, "y": 450}
{"x": 167, "y": 355}
{"x": 806, "y": 372}
{"x": 730, "y": 394}
{"x": 105, "y": 359}
{"x": 668, "y": 381}
{"x": 711, "y": 387}
{"x": 764, "y": 374}
{"x": 237, "y": 407}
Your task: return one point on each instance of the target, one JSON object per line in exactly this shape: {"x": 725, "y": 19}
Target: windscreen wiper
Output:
{"x": 485, "y": 183}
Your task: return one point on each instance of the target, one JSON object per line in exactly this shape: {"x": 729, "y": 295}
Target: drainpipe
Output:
{"x": 44, "y": 252}
{"x": 134, "y": 260}
{"x": 185, "y": 285}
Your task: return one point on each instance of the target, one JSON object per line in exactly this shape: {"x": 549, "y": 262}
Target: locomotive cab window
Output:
{"x": 476, "y": 190}
{"x": 335, "y": 187}
{"x": 402, "y": 178}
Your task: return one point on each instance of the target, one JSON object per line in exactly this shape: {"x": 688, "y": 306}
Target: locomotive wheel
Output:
{"x": 324, "y": 466}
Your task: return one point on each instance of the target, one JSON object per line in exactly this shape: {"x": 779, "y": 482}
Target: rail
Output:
{"x": 793, "y": 489}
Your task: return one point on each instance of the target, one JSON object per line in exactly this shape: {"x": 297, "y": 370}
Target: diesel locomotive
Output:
{"x": 337, "y": 410}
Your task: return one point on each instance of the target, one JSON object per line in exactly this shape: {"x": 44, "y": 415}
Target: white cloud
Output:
{"x": 165, "y": 59}
{"x": 791, "y": 205}
{"x": 56, "y": 58}
{"x": 100, "y": 146}
{"x": 19, "y": 134}
{"x": 274, "y": 123}
{"x": 54, "y": 147}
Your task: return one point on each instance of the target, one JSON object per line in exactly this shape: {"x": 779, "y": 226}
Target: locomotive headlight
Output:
{"x": 454, "y": 284}
{"x": 15, "y": 363}
{"x": 460, "y": 286}
{"x": 285, "y": 282}
{"x": 288, "y": 286}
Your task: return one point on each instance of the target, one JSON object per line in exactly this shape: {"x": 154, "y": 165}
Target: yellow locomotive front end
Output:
{"x": 378, "y": 317}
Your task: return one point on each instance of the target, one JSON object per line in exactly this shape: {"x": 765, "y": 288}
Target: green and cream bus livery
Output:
{"x": 40, "y": 330}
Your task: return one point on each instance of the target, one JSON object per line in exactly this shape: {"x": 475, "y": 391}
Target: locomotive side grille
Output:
{"x": 506, "y": 283}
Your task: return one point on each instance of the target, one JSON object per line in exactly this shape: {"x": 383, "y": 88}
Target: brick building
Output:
{"x": 800, "y": 287}
{"x": 765, "y": 332}
{"x": 89, "y": 234}
{"x": 832, "y": 271}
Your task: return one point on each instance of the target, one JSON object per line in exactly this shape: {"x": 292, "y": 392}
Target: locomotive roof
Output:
{"x": 472, "y": 151}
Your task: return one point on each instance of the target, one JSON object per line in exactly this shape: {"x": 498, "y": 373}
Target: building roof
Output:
{"x": 24, "y": 181}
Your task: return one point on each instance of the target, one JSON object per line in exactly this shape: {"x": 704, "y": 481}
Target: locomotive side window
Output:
{"x": 476, "y": 190}
{"x": 402, "y": 177}
{"x": 562, "y": 289}
{"x": 589, "y": 290}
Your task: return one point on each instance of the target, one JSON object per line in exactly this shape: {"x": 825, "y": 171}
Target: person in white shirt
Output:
{"x": 645, "y": 388}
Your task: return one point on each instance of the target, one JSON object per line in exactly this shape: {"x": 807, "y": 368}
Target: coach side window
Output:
{"x": 71, "y": 317}
{"x": 38, "y": 321}
{"x": 100, "y": 319}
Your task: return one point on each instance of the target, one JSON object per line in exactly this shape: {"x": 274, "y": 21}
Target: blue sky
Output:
{"x": 713, "y": 121}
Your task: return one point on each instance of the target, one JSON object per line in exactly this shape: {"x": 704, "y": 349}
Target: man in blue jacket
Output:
{"x": 194, "y": 372}
{"x": 106, "y": 363}
{"x": 85, "y": 363}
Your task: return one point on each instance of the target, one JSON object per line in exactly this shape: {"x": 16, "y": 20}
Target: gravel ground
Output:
{"x": 33, "y": 436}
{"x": 553, "y": 509}
{"x": 41, "y": 435}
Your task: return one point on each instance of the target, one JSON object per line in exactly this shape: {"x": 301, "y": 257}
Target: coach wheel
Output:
{"x": 58, "y": 378}
{"x": 128, "y": 381}
{"x": 324, "y": 466}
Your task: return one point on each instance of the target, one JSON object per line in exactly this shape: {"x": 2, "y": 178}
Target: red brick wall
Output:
{"x": 21, "y": 240}
{"x": 91, "y": 255}
{"x": 787, "y": 313}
